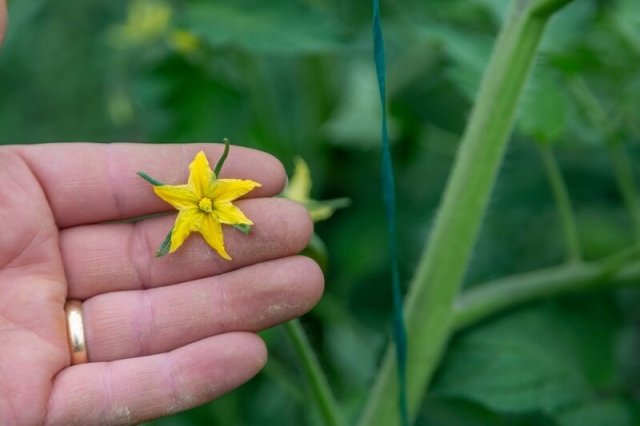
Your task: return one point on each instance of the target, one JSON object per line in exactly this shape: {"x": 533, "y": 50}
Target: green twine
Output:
{"x": 388, "y": 190}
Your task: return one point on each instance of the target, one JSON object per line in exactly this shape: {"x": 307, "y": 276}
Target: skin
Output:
{"x": 3, "y": 19}
{"x": 163, "y": 334}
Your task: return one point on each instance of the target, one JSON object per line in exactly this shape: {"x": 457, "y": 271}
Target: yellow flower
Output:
{"x": 147, "y": 21}
{"x": 299, "y": 190}
{"x": 204, "y": 204}
{"x": 183, "y": 42}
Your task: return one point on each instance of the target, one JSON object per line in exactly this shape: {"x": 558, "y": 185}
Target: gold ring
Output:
{"x": 75, "y": 332}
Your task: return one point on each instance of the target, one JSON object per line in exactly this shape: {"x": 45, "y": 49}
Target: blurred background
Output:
{"x": 295, "y": 78}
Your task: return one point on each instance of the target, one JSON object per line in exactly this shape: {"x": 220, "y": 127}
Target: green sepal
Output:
{"x": 222, "y": 159}
{"x": 245, "y": 229}
{"x": 165, "y": 246}
{"x": 149, "y": 179}
{"x": 324, "y": 209}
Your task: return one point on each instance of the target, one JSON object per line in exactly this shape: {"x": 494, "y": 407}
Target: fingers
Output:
{"x": 137, "y": 323}
{"x": 3, "y": 19}
{"x": 131, "y": 391}
{"x": 90, "y": 183}
{"x": 111, "y": 257}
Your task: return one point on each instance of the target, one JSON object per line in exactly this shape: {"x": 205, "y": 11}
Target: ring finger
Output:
{"x": 135, "y": 323}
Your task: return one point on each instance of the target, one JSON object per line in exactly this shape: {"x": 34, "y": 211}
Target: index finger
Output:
{"x": 89, "y": 183}
{"x": 3, "y": 19}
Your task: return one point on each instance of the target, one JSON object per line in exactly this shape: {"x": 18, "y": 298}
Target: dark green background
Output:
{"x": 296, "y": 78}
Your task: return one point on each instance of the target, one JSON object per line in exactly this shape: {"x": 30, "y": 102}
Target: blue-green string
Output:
{"x": 389, "y": 194}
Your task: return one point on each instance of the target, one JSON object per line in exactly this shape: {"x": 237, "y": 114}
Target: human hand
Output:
{"x": 3, "y": 19}
{"x": 163, "y": 334}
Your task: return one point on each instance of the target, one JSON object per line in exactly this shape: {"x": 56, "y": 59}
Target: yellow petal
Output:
{"x": 229, "y": 214}
{"x": 200, "y": 175}
{"x": 299, "y": 187}
{"x": 211, "y": 230}
{"x": 188, "y": 220}
{"x": 225, "y": 190}
{"x": 179, "y": 196}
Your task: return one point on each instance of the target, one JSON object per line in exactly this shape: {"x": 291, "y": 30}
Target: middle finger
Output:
{"x": 129, "y": 324}
{"x": 112, "y": 257}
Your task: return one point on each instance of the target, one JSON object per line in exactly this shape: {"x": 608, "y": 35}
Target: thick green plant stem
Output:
{"x": 321, "y": 393}
{"x": 430, "y": 301}
{"x": 563, "y": 203}
{"x": 484, "y": 300}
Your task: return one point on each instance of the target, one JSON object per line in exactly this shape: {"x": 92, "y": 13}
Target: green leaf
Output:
{"x": 520, "y": 363}
{"x": 626, "y": 17}
{"x": 165, "y": 246}
{"x": 459, "y": 412}
{"x": 350, "y": 123}
{"x": 265, "y": 27}
{"x": 149, "y": 179}
{"x": 468, "y": 53}
{"x": 543, "y": 111}
{"x": 598, "y": 413}
{"x": 245, "y": 229}
{"x": 567, "y": 29}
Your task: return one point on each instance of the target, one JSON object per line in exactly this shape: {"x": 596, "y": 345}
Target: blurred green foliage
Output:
{"x": 295, "y": 78}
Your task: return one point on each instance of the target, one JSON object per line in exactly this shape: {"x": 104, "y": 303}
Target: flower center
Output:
{"x": 205, "y": 205}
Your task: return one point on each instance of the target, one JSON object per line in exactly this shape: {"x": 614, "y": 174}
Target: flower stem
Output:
{"x": 318, "y": 385}
{"x": 626, "y": 183}
{"x": 281, "y": 374}
{"x": 484, "y": 300}
{"x": 619, "y": 158}
{"x": 430, "y": 301}
{"x": 563, "y": 203}
{"x": 222, "y": 159}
